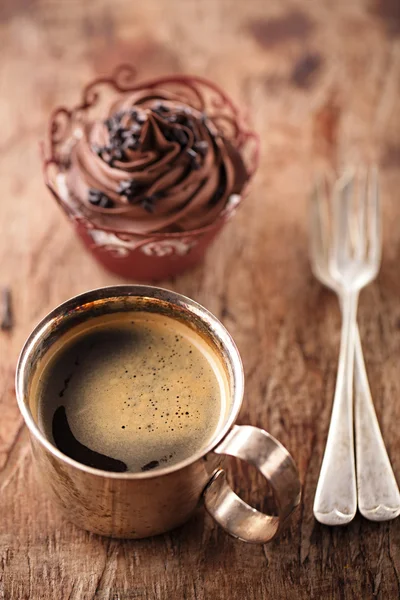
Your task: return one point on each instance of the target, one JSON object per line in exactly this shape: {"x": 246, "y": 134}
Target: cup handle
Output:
{"x": 260, "y": 449}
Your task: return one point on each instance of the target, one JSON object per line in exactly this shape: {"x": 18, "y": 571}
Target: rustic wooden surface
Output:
{"x": 321, "y": 79}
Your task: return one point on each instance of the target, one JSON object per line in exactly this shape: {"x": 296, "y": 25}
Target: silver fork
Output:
{"x": 345, "y": 255}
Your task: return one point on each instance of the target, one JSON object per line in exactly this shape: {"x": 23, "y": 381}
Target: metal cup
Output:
{"x": 136, "y": 505}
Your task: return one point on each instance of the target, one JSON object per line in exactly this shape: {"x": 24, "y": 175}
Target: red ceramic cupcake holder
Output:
{"x": 150, "y": 257}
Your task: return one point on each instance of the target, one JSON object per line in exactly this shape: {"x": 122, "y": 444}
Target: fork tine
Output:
{"x": 325, "y": 214}
{"x": 361, "y": 214}
{"x": 342, "y": 210}
{"x": 314, "y": 222}
{"x": 319, "y": 221}
{"x": 374, "y": 214}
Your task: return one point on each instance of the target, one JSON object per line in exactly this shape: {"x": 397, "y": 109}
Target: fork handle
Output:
{"x": 378, "y": 493}
{"x": 335, "y": 500}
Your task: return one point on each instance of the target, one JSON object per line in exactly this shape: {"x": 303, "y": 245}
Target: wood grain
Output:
{"x": 339, "y": 105}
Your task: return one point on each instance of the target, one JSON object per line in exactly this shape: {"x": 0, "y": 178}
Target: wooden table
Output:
{"x": 319, "y": 82}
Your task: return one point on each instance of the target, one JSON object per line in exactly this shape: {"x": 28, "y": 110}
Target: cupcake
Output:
{"x": 149, "y": 172}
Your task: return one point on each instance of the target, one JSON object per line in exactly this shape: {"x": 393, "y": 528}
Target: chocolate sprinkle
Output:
{"x": 201, "y": 147}
{"x": 109, "y": 123}
{"x": 120, "y": 138}
{"x": 148, "y": 203}
{"x": 117, "y": 154}
{"x": 169, "y": 135}
{"x": 131, "y": 142}
{"x": 129, "y": 189}
{"x": 194, "y": 162}
{"x": 134, "y": 128}
{"x": 98, "y": 198}
{"x": 141, "y": 118}
{"x": 97, "y": 149}
{"x": 181, "y": 137}
{"x": 6, "y": 320}
{"x": 160, "y": 108}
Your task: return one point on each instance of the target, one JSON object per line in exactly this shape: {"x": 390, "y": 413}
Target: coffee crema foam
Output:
{"x": 132, "y": 392}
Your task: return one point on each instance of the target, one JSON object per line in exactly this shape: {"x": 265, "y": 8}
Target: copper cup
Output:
{"x": 137, "y": 505}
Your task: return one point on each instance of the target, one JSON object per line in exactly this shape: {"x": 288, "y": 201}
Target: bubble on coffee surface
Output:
{"x": 144, "y": 390}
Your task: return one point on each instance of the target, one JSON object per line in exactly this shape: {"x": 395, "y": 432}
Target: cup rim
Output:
{"x": 120, "y": 291}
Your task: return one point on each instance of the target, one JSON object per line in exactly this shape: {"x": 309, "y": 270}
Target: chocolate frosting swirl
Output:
{"x": 158, "y": 162}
